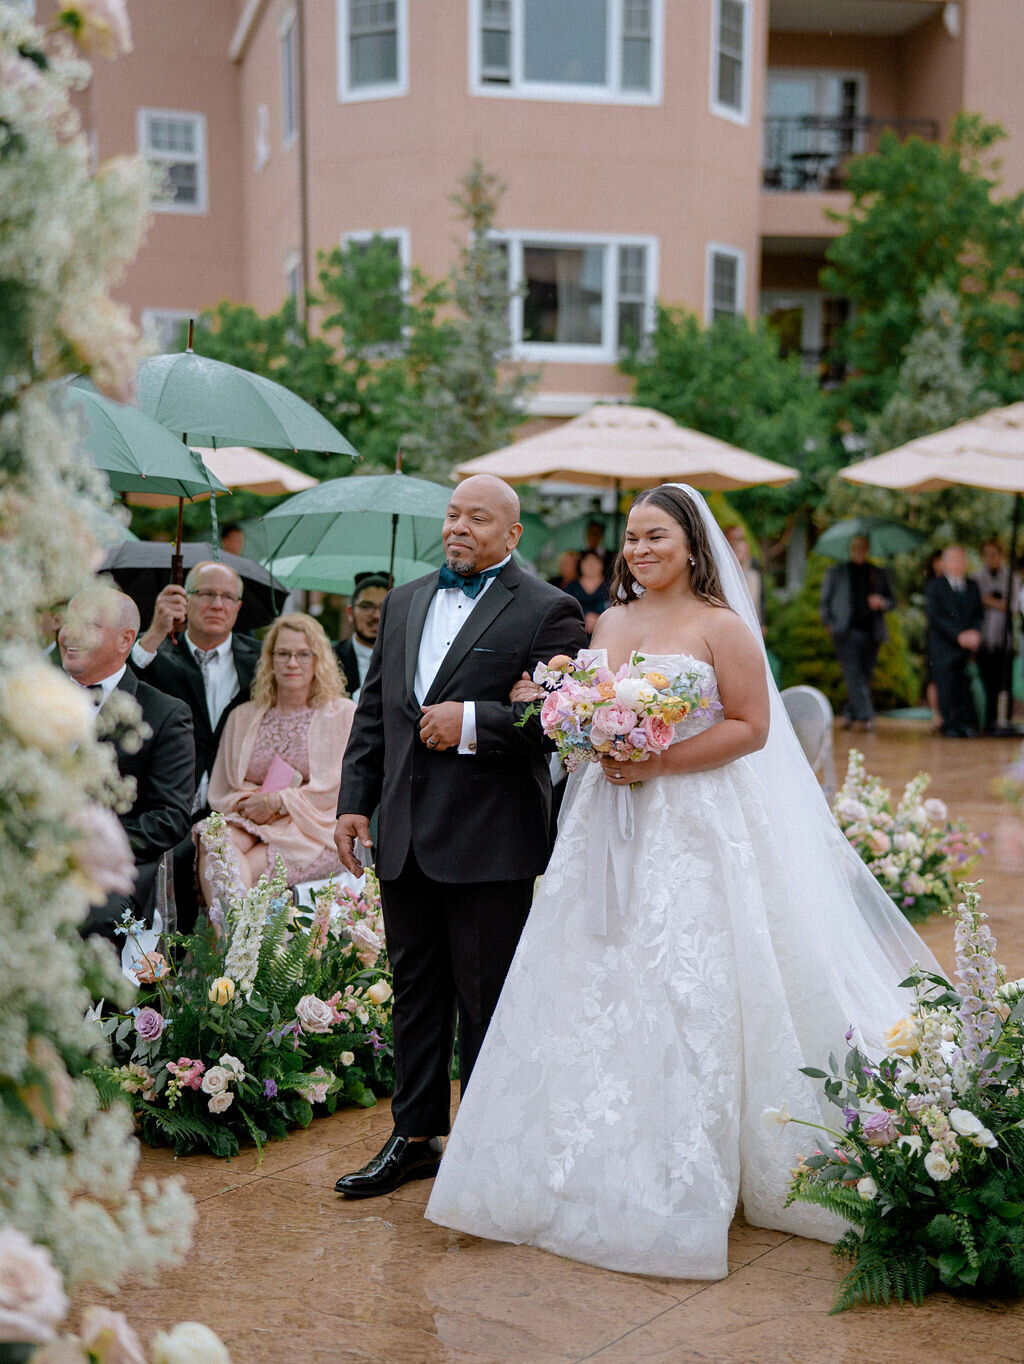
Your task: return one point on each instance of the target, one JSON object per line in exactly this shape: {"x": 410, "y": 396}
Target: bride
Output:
{"x": 696, "y": 939}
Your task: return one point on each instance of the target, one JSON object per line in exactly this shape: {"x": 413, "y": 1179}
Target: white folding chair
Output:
{"x": 810, "y": 714}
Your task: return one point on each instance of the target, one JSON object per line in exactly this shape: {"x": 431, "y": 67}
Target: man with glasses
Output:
{"x": 364, "y": 613}
{"x": 207, "y": 666}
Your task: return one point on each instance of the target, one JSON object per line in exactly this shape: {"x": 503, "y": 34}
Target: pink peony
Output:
{"x": 610, "y": 721}
{"x": 659, "y": 732}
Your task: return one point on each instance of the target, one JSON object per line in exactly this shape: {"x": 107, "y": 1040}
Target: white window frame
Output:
{"x": 143, "y": 117}
{"x": 349, "y": 94}
{"x": 292, "y": 264}
{"x": 400, "y": 235}
{"x": 726, "y": 111}
{"x": 607, "y": 351}
{"x": 288, "y": 39}
{"x": 519, "y": 88}
{"x": 152, "y": 319}
{"x": 740, "y": 257}
{"x": 261, "y": 138}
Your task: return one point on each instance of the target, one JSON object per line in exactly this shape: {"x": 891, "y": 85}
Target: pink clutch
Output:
{"x": 280, "y": 775}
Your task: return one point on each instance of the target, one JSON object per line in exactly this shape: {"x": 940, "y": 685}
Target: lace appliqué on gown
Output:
{"x": 614, "y": 1115}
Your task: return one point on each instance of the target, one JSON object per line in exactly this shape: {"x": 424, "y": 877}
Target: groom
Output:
{"x": 464, "y": 801}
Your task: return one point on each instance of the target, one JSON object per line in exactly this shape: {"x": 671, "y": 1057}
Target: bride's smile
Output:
{"x": 655, "y": 547}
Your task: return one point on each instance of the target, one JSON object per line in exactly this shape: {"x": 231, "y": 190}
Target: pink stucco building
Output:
{"x": 681, "y": 150}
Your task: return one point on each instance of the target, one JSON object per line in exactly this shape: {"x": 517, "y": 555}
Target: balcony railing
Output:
{"x": 810, "y": 153}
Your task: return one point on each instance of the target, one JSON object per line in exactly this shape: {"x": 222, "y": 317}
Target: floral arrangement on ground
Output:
{"x": 929, "y": 1166}
{"x": 915, "y": 851}
{"x": 269, "y": 1014}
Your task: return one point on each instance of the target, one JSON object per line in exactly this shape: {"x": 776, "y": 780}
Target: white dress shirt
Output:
{"x": 447, "y": 613}
{"x": 363, "y": 653}
{"x": 107, "y": 684}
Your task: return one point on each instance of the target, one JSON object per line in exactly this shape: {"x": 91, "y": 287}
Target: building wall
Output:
{"x": 993, "y": 43}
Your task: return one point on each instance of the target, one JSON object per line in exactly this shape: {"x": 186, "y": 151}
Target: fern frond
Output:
{"x": 845, "y": 1203}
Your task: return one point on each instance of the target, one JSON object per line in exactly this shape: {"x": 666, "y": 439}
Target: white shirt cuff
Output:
{"x": 141, "y": 657}
{"x": 467, "y": 740}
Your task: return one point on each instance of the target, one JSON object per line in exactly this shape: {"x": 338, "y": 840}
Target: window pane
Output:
{"x": 183, "y": 178}
{"x": 636, "y": 64}
{"x": 172, "y": 135}
{"x": 563, "y": 294}
{"x": 731, "y": 17}
{"x": 730, "y": 81}
{"x": 724, "y": 284}
{"x": 374, "y": 59}
{"x": 496, "y": 55}
{"x": 566, "y": 41}
{"x": 632, "y": 271}
{"x": 631, "y": 325}
{"x": 365, "y": 16}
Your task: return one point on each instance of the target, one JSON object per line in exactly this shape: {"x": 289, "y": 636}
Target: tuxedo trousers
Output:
{"x": 450, "y": 947}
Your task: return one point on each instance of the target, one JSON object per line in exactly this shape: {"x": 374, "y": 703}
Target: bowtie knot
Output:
{"x": 470, "y": 583}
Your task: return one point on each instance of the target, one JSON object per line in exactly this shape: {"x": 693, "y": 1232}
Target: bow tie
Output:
{"x": 470, "y": 583}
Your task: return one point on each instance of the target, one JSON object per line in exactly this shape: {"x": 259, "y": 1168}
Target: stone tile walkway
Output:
{"x": 288, "y": 1273}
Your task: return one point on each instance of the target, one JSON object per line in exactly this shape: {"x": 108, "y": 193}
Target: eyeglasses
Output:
{"x": 302, "y": 656}
{"x": 208, "y": 598}
{"x": 366, "y": 606}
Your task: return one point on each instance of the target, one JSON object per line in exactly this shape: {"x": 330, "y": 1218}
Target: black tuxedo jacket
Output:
{"x": 164, "y": 774}
{"x": 346, "y": 656}
{"x": 175, "y": 672}
{"x": 473, "y": 817}
{"x": 836, "y": 603}
{"x": 949, "y": 613}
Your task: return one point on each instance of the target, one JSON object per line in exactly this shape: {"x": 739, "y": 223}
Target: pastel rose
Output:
{"x": 190, "y": 1342}
{"x": 379, "y": 992}
{"x": 849, "y": 808}
{"x": 347, "y": 1058}
{"x": 222, "y": 990}
{"x": 612, "y": 720}
{"x": 216, "y": 1080}
{"x": 153, "y": 966}
{"x": 44, "y": 709}
{"x": 149, "y": 1024}
{"x": 659, "y": 732}
{"x": 32, "y": 1299}
{"x": 878, "y": 1128}
{"x": 903, "y": 1038}
{"x": 937, "y": 1165}
{"x": 657, "y": 680}
{"x": 109, "y": 1338}
{"x": 314, "y": 1015}
{"x": 219, "y": 1102}
{"x": 232, "y": 1064}
{"x": 965, "y": 1122}
{"x": 936, "y": 811}
{"x": 985, "y": 1138}
{"x": 879, "y": 841}
{"x": 867, "y": 1188}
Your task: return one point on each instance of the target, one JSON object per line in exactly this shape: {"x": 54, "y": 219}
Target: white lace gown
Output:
{"x": 615, "y": 1112}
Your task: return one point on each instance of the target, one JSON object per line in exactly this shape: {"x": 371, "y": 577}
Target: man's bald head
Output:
{"x": 482, "y": 525}
{"x": 98, "y": 633}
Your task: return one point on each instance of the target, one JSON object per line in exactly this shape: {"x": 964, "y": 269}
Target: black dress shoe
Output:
{"x": 397, "y": 1162}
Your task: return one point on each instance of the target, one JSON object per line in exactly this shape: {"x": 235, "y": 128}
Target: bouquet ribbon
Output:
{"x": 610, "y": 873}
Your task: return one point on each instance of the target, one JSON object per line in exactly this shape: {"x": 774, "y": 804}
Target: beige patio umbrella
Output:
{"x": 981, "y": 452}
{"x": 620, "y": 446}
{"x": 238, "y": 466}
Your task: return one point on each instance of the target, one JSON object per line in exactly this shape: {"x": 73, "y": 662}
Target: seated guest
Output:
{"x": 94, "y": 643}
{"x": 590, "y": 588}
{"x": 364, "y": 613}
{"x": 278, "y": 768}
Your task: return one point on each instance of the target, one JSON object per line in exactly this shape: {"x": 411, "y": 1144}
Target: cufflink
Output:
{"x": 471, "y": 748}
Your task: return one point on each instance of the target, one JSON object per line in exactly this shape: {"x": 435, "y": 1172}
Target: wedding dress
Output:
{"x": 694, "y": 942}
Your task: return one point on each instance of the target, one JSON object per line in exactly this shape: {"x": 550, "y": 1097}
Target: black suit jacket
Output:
{"x": 836, "y": 603}
{"x": 473, "y": 817}
{"x": 346, "y": 656}
{"x": 175, "y": 672}
{"x": 164, "y": 774}
{"x": 949, "y": 613}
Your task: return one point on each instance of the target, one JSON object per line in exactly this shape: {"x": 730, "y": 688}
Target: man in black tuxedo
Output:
{"x": 94, "y": 643}
{"x": 210, "y": 668}
{"x": 464, "y": 799}
{"x": 363, "y": 611}
{"x": 854, "y": 599}
{"x": 955, "y": 615}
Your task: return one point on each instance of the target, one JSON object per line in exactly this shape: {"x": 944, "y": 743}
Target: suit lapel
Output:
{"x": 490, "y": 606}
{"x": 418, "y": 608}
{"x": 193, "y": 675}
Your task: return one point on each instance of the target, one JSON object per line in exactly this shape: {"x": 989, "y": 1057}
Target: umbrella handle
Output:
{"x": 177, "y": 575}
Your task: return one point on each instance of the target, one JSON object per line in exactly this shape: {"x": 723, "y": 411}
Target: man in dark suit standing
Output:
{"x": 955, "y": 614}
{"x": 94, "y": 643}
{"x": 464, "y": 799}
{"x": 854, "y": 599}
{"x": 210, "y": 668}
{"x": 363, "y": 611}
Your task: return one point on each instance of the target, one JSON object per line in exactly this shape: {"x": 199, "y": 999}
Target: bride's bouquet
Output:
{"x": 592, "y": 713}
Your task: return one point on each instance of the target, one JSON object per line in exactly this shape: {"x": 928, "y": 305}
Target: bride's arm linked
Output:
{"x": 743, "y": 692}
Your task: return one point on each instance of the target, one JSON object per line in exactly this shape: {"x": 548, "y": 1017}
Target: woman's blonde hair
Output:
{"x": 327, "y": 680}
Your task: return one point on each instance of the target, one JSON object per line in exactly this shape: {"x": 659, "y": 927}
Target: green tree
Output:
{"x": 730, "y": 381}
{"x": 927, "y": 215}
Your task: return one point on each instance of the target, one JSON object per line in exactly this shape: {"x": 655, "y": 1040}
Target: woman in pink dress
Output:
{"x": 278, "y": 767}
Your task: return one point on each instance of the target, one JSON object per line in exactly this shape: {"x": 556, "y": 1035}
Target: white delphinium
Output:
{"x": 65, "y": 236}
{"x": 247, "y": 919}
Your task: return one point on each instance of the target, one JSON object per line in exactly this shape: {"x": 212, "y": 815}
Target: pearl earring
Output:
{"x": 693, "y": 562}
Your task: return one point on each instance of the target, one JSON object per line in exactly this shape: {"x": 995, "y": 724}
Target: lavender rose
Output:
{"x": 314, "y": 1014}
{"x": 149, "y": 1024}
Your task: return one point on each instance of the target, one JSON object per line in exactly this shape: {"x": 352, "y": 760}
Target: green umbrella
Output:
{"x": 135, "y": 452}
{"x": 885, "y": 538}
{"x": 386, "y": 518}
{"x": 337, "y": 572}
{"x": 107, "y": 529}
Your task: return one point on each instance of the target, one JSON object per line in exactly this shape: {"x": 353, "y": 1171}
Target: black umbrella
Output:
{"x": 142, "y": 567}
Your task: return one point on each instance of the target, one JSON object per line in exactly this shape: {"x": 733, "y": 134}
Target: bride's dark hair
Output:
{"x": 704, "y": 581}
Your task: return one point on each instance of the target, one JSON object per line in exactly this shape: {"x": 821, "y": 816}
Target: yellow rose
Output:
{"x": 46, "y": 710}
{"x": 379, "y": 992}
{"x": 657, "y": 680}
{"x": 674, "y": 709}
{"x": 222, "y": 991}
{"x": 561, "y": 663}
{"x": 903, "y": 1037}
